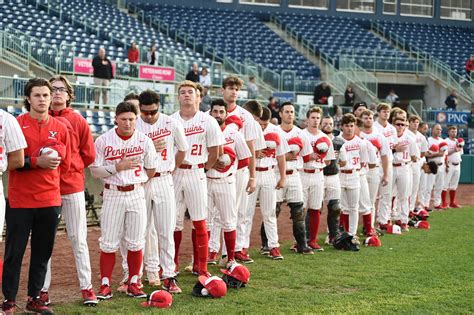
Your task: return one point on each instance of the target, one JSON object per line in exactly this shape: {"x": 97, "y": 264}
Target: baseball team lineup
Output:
{"x": 380, "y": 166}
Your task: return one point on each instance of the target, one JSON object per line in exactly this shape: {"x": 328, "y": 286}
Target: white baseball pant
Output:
{"x": 350, "y": 194}
{"x": 241, "y": 180}
{"x": 313, "y": 189}
{"x": 75, "y": 216}
{"x": 415, "y": 184}
{"x": 451, "y": 180}
{"x": 435, "y": 184}
{"x": 373, "y": 180}
{"x": 401, "y": 176}
{"x": 422, "y": 196}
{"x": 365, "y": 204}
{"x": 293, "y": 190}
{"x": 2, "y": 210}
{"x": 385, "y": 201}
{"x": 266, "y": 193}
{"x": 332, "y": 187}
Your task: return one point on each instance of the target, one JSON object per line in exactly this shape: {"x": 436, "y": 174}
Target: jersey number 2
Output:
{"x": 138, "y": 170}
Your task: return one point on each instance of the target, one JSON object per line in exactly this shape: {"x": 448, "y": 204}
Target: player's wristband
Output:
{"x": 27, "y": 164}
{"x": 252, "y": 178}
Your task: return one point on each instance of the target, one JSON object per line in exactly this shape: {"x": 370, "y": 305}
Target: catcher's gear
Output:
{"x": 297, "y": 215}
{"x": 334, "y": 210}
{"x": 345, "y": 241}
{"x": 236, "y": 276}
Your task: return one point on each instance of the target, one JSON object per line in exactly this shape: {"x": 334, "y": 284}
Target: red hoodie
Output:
{"x": 82, "y": 151}
{"x": 38, "y": 187}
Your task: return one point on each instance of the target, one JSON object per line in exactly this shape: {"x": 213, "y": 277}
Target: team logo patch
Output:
{"x": 52, "y": 134}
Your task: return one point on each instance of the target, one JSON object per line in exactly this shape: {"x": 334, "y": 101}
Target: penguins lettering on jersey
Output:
{"x": 160, "y": 133}
{"x": 111, "y": 154}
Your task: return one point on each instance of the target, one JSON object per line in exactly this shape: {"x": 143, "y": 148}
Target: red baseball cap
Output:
{"x": 424, "y": 225}
{"x": 234, "y": 120}
{"x": 376, "y": 143}
{"x": 321, "y": 146}
{"x": 215, "y": 286}
{"x": 296, "y": 142}
{"x": 231, "y": 153}
{"x": 372, "y": 241}
{"x": 434, "y": 148}
{"x": 159, "y": 298}
{"x": 238, "y": 272}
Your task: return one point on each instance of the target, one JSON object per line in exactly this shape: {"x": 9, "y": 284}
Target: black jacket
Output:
{"x": 191, "y": 76}
{"x": 319, "y": 92}
{"x": 102, "y": 71}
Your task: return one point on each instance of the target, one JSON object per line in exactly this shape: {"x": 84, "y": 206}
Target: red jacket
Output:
{"x": 82, "y": 151}
{"x": 133, "y": 55}
{"x": 38, "y": 187}
{"x": 470, "y": 65}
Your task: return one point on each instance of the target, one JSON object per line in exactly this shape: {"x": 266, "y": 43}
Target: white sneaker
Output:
{"x": 153, "y": 279}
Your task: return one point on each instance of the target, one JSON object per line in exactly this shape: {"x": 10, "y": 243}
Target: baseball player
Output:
{"x": 159, "y": 192}
{"x": 300, "y": 147}
{"x": 221, "y": 182}
{"x": 72, "y": 187}
{"x": 34, "y": 208}
{"x": 332, "y": 184}
{"x": 204, "y": 138}
{"x": 125, "y": 159}
{"x": 406, "y": 151}
{"x": 353, "y": 157}
{"x": 383, "y": 127}
{"x": 377, "y": 174}
{"x": 312, "y": 174}
{"x": 267, "y": 184}
{"x": 453, "y": 166}
{"x": 422, "y": 144}
{"x": 436, "y": 153}
{"x": 423, "y": 129}
{"x": 245, "y": 175}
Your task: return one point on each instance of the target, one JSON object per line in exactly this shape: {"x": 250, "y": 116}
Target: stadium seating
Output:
{"x": 340, "y": 35}
{"x": 239, "y": 35}
{"x": 450, "y": 44}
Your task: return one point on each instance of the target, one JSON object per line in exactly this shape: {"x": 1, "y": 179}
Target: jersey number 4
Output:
{"x": 196, "y": 149}
{"x": 164, "y": 155}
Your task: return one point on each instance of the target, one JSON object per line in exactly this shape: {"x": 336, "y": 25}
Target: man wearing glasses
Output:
{"x": 166, "y": 133}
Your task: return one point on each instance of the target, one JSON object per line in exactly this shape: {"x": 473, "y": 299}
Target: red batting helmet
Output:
{"x": 228, "y": 158}
{"x": 234, "y": 120}
{"x": 296, "y": 145}
{"x": 373, "y": 241}
{"x": 213, "y": 286}
{"x": 394, "y": 229}
{"x": 239, "y": 272}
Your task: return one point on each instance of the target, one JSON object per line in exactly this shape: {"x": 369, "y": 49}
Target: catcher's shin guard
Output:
{"x": 299, "y": 229}
{"x": 334, "y": 210}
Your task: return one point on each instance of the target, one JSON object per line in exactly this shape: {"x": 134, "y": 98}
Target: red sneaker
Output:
{"x": 105, "y": 292}
{"x": 315, "y": 246}
{"x": 89, "y": 297}
{"x": 36, "y": 305}
{"x": 455, "y": 205}
{"x": 9, "y": 307}
{"x": 242, "y": 257}
{"x": 135, "y": 292}
{"x": 45, "y": 297}
{"x": 439, "y": 207}
{"x": 212, "y": 258}
{"x": 171, "y": 286}
{"x": 275, "y": 254}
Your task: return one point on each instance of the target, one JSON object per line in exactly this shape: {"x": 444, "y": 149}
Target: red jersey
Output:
{"x": 38, "y": 187}
{"x": 82, "y": 151}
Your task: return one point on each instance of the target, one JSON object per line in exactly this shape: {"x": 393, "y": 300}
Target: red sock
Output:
{"x": 444, "y": 202}
{"x": 201, "y": 244}
{"x": 134, "y": 261}
{"x": 229, "y": 239}
{"x": 107, "y": 263}
{"x": 344, "y": 221}
{"x": 452, "y": 196}
{"x": 314, "y": 219}
{"x": 195, "y": 251}
{"x": 367, "y": 219}
{"x": 178, "y": 235}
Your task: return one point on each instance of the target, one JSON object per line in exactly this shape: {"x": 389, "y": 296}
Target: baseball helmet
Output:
{"x": 434, "y": 148}
{"x": 345, "y": 241}
{"x": 321, "y": 146}
{"x": 373, "y": 241}
{"x": 295, "y": 144}
{"x": 213, "y": 287}
{"x": 376, "y": 143}
{"x": 394, "y": 229}
{"x": 236, "y": 276}
{"x": 234, "y": 120}
{"x": 460, "y": 142}
{"x": 424, "y": 225}
{"x": 158, "y": 298}
{"x": 228, "y": 159}
{"x": 443, "y": 146}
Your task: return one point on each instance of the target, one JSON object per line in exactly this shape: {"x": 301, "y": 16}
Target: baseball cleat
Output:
{"x": 455, "y": 205}
{"x": 240, "y": 256}
{"x": 44, "y": 295}
{"x": 153, "y": 279}
{"x": 134, "y": 291}
{"x": 275, "y": 254}
{"x": 265, "y": 250}
{"x": 171, "y": 286}
{"x": 212, "y": 258}
{"x": 123, "y": 288}
{"x": 315, "y": 246}
{"x": 105, "y": 292}
{"x": 89, "y": 297}
{"x": 8, "y": 307}
{"x": 404, "y": 227}
{"x": 305, "y": 251}
{"x": 36, "y": 305}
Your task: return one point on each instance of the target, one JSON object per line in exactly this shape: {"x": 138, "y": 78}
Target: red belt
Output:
{"x": 120, "y": 188}
{"x": 398, "y": 164}
{"x": 312, "y": 171}
{"x": 188, "y": 166}
{"x": 263, "y": 169}
{"x": 289, "y": 172}
{"x": 220, "y": 177}
{"x": 161, "y": 174}
{"x": 455, "y": 164}
{"x": 348, "y": 171}
{"x": 373, "y": 166}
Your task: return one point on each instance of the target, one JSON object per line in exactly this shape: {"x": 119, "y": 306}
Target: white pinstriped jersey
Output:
{"x": 235, "y": 140}
{"x": 111, "y": 149}
{"x": 437, "y": 141}
{"x": 259, "y": 143}
{"x": 390, "y": 134}
{"x": 320, "y": 162}
{"x": 355, "y": 153}
{"x": 371, "y": 156}
{"x": 171, "y": 131}
{"x": 421, "y": 142}
{"x": 456, "y": 156}
{"x": 385, "y": 150}
{"x": 280, "y": 149}
{"x": 251, "y": 129}
{"x": 11, "y": 138}
{"x": 297, "y": 132}
{"x": 409, "y": 148}
{"x": 202, "y": 132}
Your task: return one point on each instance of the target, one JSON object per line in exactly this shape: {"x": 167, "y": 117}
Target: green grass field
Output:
{"x": 418, "y": 272}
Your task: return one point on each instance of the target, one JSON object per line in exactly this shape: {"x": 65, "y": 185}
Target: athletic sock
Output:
{"x": 134, "y": 261}
{"x": 229, "y": 239}
{"x": 195, "y": 251}
{"x": 314, "y": 220}
{"x": 178, "y": 235}
{"x": 367, "y": 221}
{"x": 201, "y": 244}
{"x": 107, "y": 263}
{"x": 344, "y": 221}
